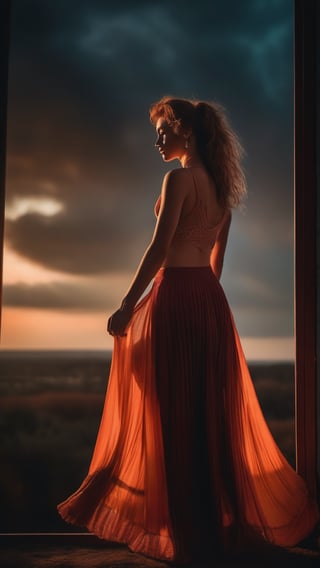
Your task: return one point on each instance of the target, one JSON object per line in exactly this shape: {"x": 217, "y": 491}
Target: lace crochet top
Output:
{"x": 194, "y": 227}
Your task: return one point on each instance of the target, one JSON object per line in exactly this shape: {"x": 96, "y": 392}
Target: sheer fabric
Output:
{"x": 184, "y": 458}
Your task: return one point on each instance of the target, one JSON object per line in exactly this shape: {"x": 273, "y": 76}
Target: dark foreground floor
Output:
{"x": 72, "y": 551}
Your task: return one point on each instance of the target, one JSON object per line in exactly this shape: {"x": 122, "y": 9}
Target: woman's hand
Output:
{"x": 118, "y": 322}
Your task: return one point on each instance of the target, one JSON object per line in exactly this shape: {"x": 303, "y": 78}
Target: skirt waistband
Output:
{"x": 184, "y": 272}
{"x": 185, "y": 268}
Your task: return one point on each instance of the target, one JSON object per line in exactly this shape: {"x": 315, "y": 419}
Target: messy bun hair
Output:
{"x": 217, "y": 143}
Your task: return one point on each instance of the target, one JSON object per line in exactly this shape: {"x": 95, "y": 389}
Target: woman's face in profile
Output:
{"x": 170, "y": 144}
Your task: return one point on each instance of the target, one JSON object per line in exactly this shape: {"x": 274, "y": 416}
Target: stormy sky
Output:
{"x": 82, "y": 171}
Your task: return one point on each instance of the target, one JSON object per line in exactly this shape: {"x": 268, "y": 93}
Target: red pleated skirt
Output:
{"x": 184, "y": 461}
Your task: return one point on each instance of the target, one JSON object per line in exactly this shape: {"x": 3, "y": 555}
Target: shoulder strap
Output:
{"x": 196, "y": 188}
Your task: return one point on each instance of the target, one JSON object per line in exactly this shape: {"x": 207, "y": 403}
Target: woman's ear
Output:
{"x": 187, "y": 132}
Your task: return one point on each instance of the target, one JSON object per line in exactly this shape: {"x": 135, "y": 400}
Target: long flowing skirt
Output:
{"x": 184, "y": 459}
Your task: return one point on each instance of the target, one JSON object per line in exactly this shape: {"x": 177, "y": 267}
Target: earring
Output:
{"x": 186, "y": 144}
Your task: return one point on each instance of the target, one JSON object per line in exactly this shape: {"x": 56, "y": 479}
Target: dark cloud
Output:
{"x": 58, "y": 295}
{"x": 80, "y": 241}
{"x": 82, "y": 77}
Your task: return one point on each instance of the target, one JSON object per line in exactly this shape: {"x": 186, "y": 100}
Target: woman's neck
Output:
{"x": 191, "y": 160}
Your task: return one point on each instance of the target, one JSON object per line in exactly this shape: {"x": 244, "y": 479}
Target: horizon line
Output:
{"x": 95, "y": 352}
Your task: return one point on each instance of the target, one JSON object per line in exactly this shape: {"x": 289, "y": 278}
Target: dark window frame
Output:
{"x": 305, "y": 239}
{"x": 5, "y": 13}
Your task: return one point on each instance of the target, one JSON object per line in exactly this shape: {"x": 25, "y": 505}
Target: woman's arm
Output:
{"x": 218, "y": 251}
{"x": 173, "y": 194}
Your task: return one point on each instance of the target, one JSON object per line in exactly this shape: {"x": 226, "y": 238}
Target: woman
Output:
{"x": 184, "y": 461}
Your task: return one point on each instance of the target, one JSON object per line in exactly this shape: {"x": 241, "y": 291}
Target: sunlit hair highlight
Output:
{"x": 217, "y": 143}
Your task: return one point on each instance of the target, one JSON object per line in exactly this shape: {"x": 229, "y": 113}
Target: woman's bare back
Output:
{"x": 200, "y": 221}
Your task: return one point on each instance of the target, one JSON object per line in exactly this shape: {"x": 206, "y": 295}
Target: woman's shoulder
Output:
{"x": 178, "y": 176}
{"x": 178, "y": 184}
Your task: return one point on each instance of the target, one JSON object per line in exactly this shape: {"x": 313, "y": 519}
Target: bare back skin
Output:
{"x": 185, "y": 251}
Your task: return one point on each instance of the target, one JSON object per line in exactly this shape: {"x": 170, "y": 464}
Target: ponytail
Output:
{"x": 221, "y": 152}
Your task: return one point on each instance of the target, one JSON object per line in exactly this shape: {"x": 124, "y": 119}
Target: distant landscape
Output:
{"x": 50, "y": 409}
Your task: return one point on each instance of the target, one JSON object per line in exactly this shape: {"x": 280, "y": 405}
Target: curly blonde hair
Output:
{"x": 218, "y": 145}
